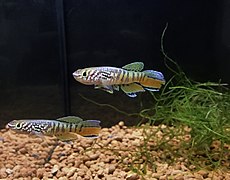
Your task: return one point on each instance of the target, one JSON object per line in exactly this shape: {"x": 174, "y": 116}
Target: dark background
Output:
{"x": 43, "y": 41}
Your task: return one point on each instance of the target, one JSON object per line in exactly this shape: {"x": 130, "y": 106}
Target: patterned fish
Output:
{"x": 130, "y": 78}
{"x": 65, "y": 129}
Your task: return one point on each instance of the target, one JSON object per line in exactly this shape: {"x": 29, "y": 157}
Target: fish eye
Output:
{"x": 18, "y": 125}
{"x": 84, "y": 73}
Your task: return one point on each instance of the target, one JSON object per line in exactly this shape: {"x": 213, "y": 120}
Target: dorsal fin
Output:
{"x": 135, "y": 66}
{"x": 70, "y": 119}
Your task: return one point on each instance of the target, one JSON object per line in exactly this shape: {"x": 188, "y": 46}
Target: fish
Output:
{"x": 130, "y": 78}
{"x": 65, "y": 128}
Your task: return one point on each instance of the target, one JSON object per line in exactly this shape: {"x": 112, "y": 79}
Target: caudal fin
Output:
{"x": 154, "y": 81}
{"x": 155, "y": 74}
{"x": 90, "y": 128}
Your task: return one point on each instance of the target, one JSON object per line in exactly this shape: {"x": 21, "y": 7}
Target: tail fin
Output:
{"x": 154, "y": 81}
{"x": 90, "y": 128}
{"x": 155, "y": 74}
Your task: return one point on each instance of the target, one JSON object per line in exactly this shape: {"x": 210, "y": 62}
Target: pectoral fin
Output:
{"x": 38, "y": 134}
{"x": 108, "y": 89}
{"x": 116, "y": 87}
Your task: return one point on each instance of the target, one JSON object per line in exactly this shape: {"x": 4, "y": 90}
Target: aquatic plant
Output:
{"x": 189, "y": 123}
{"x": 200, "y": 110}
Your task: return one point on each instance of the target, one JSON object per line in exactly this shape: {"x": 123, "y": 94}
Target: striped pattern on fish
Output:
{"x": 107, "y": 77}
{"x": 111, "y": 76}
{"x": 62, "y": 128}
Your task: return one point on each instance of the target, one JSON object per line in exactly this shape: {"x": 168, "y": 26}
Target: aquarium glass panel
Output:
{"x": 29, "y": 61}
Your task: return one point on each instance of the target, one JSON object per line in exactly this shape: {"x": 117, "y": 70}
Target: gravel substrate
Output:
{"x": 27, "y": 157}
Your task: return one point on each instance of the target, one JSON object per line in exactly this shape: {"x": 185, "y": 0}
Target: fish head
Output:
{"x": 84, "y": 76}
{"x": 30, "y": 126}
{"x": 22, "y": 126}
{"x": 16, "y": 125}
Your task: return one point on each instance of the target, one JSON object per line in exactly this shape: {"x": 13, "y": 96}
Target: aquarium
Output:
{"x": 114, "y": 89}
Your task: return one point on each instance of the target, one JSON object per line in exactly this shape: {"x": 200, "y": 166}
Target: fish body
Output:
{"x": 130, "y": 78}
{"x": 66, "y": 128}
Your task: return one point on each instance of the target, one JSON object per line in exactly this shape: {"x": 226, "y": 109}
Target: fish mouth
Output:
{"x": 10, "y": 124}
{"x": 75, "y": 74}
{"x": 78, "y": 77}
{"x": 7, "y": 126}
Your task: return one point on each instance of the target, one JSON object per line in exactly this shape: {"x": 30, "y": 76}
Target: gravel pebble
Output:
{"x": 25, "y": 157}
{"x": 121, "y": 123}
{"x": 132, "y": 177}
{"x": 71, "y": 172}
{"x": 3, "y": 173}
{"x": 111, "y": 169}
{"x": 9, "y": 171}
{"x": 203, "y": 173}
{"x": 40, "y": 172}
{"x": 94, "y": 156}
{"x": 55, "y": 169}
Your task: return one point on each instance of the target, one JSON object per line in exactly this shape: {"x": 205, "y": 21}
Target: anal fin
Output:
{"x": 106, "y": 88}
{"x": 131, "y": 95}
{"x": 132, "y": 89}
{"x": 152, "y": 89}
{"x": 66, "y": 136}
{"x": 152, "y": 83}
